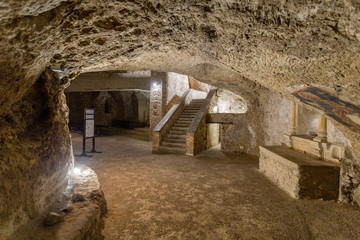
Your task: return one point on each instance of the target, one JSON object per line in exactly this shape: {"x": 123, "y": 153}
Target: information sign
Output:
{"x": 89, "y": 130}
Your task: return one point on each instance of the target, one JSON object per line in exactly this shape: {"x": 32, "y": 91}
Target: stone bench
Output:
{"x": 298, "y": 174}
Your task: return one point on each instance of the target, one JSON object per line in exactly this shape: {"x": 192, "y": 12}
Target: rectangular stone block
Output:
{"x": 298, "y": 174}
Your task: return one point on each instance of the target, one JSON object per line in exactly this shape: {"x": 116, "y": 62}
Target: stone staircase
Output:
{"x": 175, "y": 140}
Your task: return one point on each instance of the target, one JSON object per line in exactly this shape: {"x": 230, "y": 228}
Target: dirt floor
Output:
{"x": 210, "y": 196}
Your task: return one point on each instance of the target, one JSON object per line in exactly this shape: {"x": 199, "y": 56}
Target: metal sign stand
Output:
{"x": 89, "y": 131}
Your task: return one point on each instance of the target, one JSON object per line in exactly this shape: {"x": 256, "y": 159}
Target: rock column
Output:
{"x": 322, "y": 130}
{"x": 293, "y": 118}
{"x": 157, "y": 98}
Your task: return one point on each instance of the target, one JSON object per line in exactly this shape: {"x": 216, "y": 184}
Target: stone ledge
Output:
{"x": 84, "y": 221}
{"x": 298, "y": 174}
{"x": 223, "y": 118}
{"x": 81, "y": 216}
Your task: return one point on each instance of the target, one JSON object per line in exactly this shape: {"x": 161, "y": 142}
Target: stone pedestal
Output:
{"x": 298, "y": 174}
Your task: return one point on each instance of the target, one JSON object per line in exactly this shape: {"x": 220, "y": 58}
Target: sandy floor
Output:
{"x": 210, "y": 196}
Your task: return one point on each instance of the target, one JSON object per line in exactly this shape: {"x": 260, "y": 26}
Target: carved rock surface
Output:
{"x": 242, "y": 46}
{"x": 53, "y": 218}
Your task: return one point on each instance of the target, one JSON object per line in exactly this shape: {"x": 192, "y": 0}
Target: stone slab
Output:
{"x": 298, "y": 174}
{"x": 224, "y": 118}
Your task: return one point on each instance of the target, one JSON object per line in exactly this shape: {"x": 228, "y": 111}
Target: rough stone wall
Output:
{"x": 77, "y": 101}
{"x": 228, "y": 102}
{"x": 276, "y": 110}
{"x": 35, "y": 153}
{"x": 143, "y": 101}
{"x": 103, "y": 117}
{"x": 245, "y": 134}
{"x": 176, "y": 85}
{"x": 307, "y": 121}
{"x": 349, "y": 173}
{"x": 199, "y": 86}
{"x": 110, "y": 81}
{"x": 234, "y": 138}
{"x": 264, "y": 122}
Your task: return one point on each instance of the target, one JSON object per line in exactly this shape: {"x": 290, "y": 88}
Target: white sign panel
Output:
{"x": 89, "y": 111}
{"x": 89, "y": 128}
{"x": 89, "y": 123}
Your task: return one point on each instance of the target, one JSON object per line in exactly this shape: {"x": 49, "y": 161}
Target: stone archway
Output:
{"x": 245, "y": 47}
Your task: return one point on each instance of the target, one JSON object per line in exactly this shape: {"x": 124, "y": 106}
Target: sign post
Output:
{"x": 89, "y": 130}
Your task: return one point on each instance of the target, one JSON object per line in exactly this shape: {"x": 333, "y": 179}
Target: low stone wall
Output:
{"x": 300, "y": 175}
{"x": 196, "y": 140}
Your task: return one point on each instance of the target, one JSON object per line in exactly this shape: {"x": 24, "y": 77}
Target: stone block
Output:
{"x": 298, "y": 174}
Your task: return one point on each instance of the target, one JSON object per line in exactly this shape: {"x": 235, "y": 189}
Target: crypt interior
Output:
{"x": 179, "y": 119}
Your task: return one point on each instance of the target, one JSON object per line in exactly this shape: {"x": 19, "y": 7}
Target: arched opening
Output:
{"x": 276, "y": 55}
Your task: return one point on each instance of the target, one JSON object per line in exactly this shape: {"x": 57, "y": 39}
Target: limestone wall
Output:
{"x": 307, "y": 121}
{"x": 107, "y": 108}
{"x": 35, "y": 155}
{"x": 111, "y": 81}
{"x": 276, "y": 110}
{"x": 176, "y": 85}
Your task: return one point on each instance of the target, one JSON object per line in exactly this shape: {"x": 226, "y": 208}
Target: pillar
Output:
{"x": 293, "y": 118}
{"x": 322, "y": 129}
{"x": 157, "y": 98}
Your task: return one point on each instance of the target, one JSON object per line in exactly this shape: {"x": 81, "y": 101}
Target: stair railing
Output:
{"x": 163, "y": 127}
{"x": 196, "y": 139}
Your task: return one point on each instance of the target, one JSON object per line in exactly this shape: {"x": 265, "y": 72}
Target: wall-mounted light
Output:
{"x": 216, "y": 109}
{"x": 76, "y": 170}
{"x": 155, "y": 85}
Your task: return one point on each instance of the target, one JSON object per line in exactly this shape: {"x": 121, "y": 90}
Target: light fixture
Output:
{"x": 76, "y": 170}
{"x": 216, "y": 109}
{"x": 154, "y": 85}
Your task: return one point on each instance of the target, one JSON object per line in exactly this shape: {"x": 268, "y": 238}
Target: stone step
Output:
{"x": 177, "y": 132}
{"x": 184, "y": 121}
{"x": 173, "y": 145}
{"x": 179, "y": 128}
{"x": 179, "y": 136}
{"x": 190, "y": 120}
{"x": 174, "y": 140}
{"x": 186, "y": 117}
{"x": 175, "y": 150}
{"x": 181, "y": 125}
{"x": 193, "y": 107}
{"x": 190, "y": 111}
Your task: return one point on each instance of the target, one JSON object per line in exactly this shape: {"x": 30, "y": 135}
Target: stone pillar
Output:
{"x": 322, "y": 130}
{"x": 157, "y": 98}
{"x": 293, "y": 118}
{"x": 293, "y": 123}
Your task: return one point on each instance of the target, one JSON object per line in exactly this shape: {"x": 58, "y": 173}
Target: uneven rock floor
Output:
{"x": 210, "y": 196}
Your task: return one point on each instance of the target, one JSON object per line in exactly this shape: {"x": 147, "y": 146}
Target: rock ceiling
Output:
{"x": 240, "y": 45}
